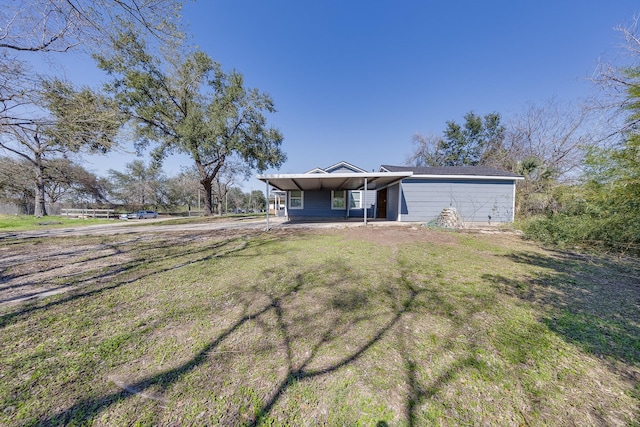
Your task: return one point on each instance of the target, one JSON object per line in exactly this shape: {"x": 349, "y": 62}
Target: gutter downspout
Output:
{"x": 274, "y": 204}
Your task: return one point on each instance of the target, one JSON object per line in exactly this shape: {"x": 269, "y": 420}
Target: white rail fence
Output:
{"x": 88, "y": 213}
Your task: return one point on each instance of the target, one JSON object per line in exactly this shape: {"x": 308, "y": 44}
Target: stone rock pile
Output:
{"x": 449, "y": 218}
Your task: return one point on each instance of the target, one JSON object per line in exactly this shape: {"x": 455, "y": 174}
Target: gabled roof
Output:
{"x": 451, "y": 171}
{"x": 344, "y": 165}
{"x": 317, "y": 170}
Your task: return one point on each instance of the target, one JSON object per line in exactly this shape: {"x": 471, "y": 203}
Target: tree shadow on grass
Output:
{"x": 92, "y": 260}
{"x": 593, "y": 302}
{"x": 304, "y": 342}
{"x": 438, "y": 302}
{"x": 147, "y": 260}
{"x": 302, "y": 369}
{"x": 89, "y": 251}
{"x": 275, "y": 313}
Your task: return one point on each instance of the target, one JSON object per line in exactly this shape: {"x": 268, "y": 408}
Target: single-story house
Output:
{"x": 480, "y": 195}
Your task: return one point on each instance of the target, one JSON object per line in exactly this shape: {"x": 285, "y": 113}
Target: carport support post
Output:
{"x": 267, "y": 181}
{"x": 364, "y": 201}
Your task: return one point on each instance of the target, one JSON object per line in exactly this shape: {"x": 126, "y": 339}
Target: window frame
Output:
{"x": 343, "y": 198}
{"x": 359, "y": 204}
{"x": 291, "y": 198}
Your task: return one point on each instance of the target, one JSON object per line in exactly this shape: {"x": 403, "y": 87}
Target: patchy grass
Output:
{"x": 30, "y": 222}
{"x": 375, "y": 326}
{"x": 210, "y": 219}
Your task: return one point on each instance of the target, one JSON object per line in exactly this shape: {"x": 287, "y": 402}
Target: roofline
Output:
{"x": 436, "y": 175}
{"x": 317, "y": 170}
{"x": 402, "y": 174}
{"x": 483, "y": 177}
{"x": 347, "y": 164}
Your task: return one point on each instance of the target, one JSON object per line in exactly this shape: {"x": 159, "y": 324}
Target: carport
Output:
{"x": 332, "y": 182}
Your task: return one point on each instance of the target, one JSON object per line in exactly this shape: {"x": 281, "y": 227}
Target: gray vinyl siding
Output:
{"x": 368, "y": 202}
{"x": 475, "y": 200}
{"x": 370, "y": 198}
{"x": 393, "y": 195}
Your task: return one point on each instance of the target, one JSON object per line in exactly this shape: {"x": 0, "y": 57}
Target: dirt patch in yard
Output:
{"x": 396, "y": 235}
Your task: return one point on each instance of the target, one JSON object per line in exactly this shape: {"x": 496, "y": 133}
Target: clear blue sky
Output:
{"x": 354, "y": 80}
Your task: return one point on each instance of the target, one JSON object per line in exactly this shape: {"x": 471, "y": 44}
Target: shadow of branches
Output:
{"x": 593, "y": 302}
{"x": 282, "y": 325}
{"x": 313, "y": 327}
{"x": 123, "y": 263}
{"x": 305, "y": 322}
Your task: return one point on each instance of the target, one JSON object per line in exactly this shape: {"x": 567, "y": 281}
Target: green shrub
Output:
{"x": 609, "y": 231}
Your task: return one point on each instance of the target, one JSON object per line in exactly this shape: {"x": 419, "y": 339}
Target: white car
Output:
{"x": 139, "y": 215}
{"x": 146, "y": 214}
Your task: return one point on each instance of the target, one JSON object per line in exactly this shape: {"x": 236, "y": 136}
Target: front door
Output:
{"x": 381, "y": 204}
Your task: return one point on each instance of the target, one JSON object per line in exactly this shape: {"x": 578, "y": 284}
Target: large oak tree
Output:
{"x": 189, "y": 105}
{"x": 42, "y": 118}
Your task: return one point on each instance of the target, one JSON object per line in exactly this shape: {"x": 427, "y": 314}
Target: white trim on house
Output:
{"x": 360, "y": 196}
{"x": 317, "y": 170}
{"x": 290, "y": 197}
{"x": 513, "y": 205}
{"x": 481, "y": 177}
{"x": 345, "y": 165}
{"x": 399, "y": 207}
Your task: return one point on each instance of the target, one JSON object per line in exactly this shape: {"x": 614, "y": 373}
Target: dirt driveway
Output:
{"x": 142, "y": 226}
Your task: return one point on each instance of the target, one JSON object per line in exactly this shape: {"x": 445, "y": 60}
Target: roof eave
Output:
{"x": 483, "y": 177}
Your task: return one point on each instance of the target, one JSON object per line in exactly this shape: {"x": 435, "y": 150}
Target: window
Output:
{"x": 356, "y": 200}
{"x": 338, "y": 199}
{"x": 296, "y": 199}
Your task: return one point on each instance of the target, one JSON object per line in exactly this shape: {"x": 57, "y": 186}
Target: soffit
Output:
{"x": 333, "y": 181}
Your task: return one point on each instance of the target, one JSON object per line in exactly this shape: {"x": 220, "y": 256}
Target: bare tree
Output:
{"x": 229, "y": 174}
{"x": 68, "y": 121}
{"x": 68, "y": 181}
{"x": 61, "y": 25}
{"x": 16, "y": 184}
{"x": 426, "y": 150}
{"x": 614, "y": 78}
{"x": 554, "y": 135}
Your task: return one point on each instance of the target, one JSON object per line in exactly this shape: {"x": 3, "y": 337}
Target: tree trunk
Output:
{"x": 207, "y": 184}
{"x": 208, "y": 199}
{"x": 40, "y": 207}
